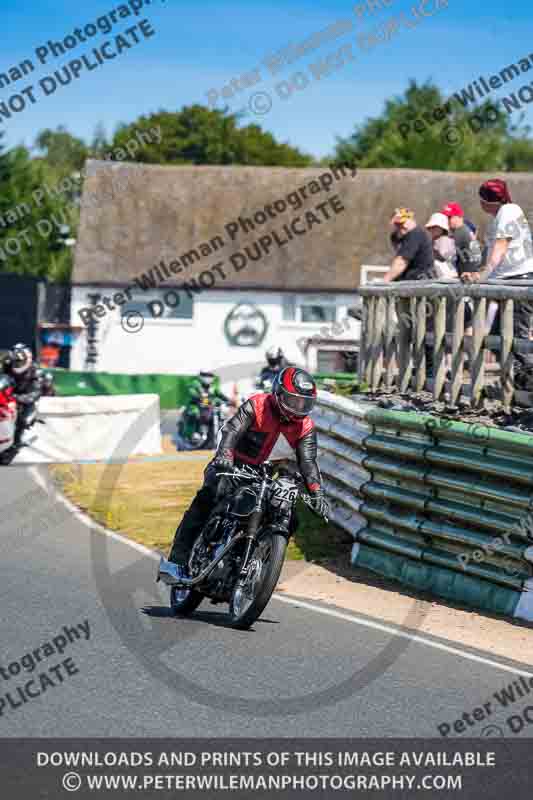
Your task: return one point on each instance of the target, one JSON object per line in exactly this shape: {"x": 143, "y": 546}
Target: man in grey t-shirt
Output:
{"x": 467, "y": 246}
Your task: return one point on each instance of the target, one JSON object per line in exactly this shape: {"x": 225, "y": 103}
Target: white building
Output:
{"x": 300, "y": 289}
{"x": 226, "y": 331}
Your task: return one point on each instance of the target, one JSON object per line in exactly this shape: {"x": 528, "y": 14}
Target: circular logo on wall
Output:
{"x": 245, "y": 325}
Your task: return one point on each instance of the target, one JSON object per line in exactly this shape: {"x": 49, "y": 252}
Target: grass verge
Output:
{"x": 146, "y": 501}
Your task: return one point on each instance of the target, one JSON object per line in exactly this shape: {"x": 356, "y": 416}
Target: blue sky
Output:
{"x": 200, "y": 46}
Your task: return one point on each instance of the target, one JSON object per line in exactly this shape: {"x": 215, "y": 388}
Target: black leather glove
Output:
{"x": 319, "y": 504}
{"x": 224, "y": 483}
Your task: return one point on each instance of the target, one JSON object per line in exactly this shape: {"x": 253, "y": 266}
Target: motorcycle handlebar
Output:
{"x": 252, "y": 475}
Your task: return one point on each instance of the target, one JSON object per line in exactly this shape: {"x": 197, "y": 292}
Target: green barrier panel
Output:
{"x": 438, "y": 580}
{"x": 427, "y": 530}
{"x": 173, "y": 390}
{"x": 452, "y": 481}
{"x": 476, "y": 434}
{"x": 424, "y": 502}
{"x": 348, "y": 377}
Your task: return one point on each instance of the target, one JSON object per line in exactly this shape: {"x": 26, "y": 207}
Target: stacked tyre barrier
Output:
{"x": 435, "y": 504}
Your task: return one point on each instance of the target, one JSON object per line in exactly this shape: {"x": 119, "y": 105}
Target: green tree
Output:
{"x": 61, "y": 151}
{"x": 410, "y": 134}
{"x": 198, "y": 135}
{"x": 99, "y": 145}
{"x": 519, "y": 153}
{"x": 5, "y": 182}
{"x": 33, "y": 241}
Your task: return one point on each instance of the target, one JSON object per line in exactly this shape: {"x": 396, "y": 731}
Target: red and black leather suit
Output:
{"x": 248, "y": 438}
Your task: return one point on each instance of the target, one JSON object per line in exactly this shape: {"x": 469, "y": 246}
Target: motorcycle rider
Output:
{"x": 26, "y": 379}
{"x": 47, "y": 384}
{"x": 276, "y": 361}
{"x": 248, "y": 438}
{"x": 203, "y": 385}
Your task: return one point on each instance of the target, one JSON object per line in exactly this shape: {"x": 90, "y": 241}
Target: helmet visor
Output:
{"x": 21, "y": 364}
{"x": 297, "y": 404}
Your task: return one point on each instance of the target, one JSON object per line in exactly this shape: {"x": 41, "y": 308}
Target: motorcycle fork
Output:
{"x": 253, "y": 527}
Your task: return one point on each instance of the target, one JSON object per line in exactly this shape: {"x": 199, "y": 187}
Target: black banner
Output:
{"x": 285, "y": 768}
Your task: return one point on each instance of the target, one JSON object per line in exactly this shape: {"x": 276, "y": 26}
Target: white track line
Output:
{"x": 402, "y": 634}
{"x": 294, "y": 601}
{"x": 86, "y": 520}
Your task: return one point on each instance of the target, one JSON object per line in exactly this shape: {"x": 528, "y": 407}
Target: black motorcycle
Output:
{"x": 237, "y": 559}
{"x": 207, "y": 423}
{"x": 10, "y": 410}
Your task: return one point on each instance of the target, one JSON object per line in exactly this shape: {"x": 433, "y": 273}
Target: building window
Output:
{"x": 311, "y": 308}
{"x": 314, "y": 313}
{"x": 166, "y": 304}
{"x": 289, "y": 308}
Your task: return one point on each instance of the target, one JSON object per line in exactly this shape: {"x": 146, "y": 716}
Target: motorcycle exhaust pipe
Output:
{"x": 166, "y": 572}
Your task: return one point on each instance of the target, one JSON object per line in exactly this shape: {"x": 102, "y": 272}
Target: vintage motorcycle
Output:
{"x": 237, "y": 559}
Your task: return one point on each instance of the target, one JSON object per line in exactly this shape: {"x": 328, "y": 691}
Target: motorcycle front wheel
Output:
{"x": 251, "y": 595}
{"x": 184, "y": 601}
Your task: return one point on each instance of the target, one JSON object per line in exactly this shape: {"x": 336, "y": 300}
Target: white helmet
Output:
{"x": 274, "y": 356}
{"x": 21, "y": 359}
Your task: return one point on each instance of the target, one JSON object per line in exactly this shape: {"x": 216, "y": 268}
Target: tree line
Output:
{"x": 408, "y": 133}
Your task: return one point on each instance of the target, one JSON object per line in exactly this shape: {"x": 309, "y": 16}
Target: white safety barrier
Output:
{"x": 94, "y": 429}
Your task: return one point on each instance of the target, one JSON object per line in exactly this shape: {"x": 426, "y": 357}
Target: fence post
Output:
{"x": 389, "y": 342}
{"x": 506, "y": 358}
{"x": 370, "y": 323}
{"x": 405, "y": 329}
{"x": 477, "y": 365}
{"x": 420, "y": 344}
{"x": 458, "y": 355}
{"x": 377, "y": 345}
{"x": 363, "y": 338}
{"x": 439, "y": 348}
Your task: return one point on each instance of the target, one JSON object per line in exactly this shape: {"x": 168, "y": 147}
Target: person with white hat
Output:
{"x": 443, "y": 246}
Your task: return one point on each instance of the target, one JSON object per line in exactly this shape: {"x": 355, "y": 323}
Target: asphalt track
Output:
{"x": 304, "y": 669}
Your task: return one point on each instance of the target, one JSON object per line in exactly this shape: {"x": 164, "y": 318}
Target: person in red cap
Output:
{"x": 467, "y": 246}
{"x": 509, "y": 249}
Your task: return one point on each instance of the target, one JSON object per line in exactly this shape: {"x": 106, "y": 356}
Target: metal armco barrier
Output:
{"x": 440, "y": 505}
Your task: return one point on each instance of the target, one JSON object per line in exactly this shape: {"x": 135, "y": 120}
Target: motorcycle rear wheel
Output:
{"x": 250, "y": 597}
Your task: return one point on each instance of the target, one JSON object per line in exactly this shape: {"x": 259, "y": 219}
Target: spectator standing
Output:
{"x": 413, "y": 258}
{"x": 443, "y": 246}
{"x": 509, "y": 252}
{"x": 413, "y": 261}
{"x": 466, "y": 244}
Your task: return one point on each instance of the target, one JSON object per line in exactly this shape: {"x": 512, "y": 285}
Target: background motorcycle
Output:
{"x": 238, "y": 557}
{"x": 8, "y": 420}
{"x": 208, "y": 423}
{"x": 9, "y": 410}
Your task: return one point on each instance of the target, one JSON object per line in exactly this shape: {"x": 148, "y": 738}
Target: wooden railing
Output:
{"x": 405, "y": 322}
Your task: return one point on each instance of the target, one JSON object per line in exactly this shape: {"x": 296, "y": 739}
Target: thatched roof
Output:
{"x": 133, "y": 216}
